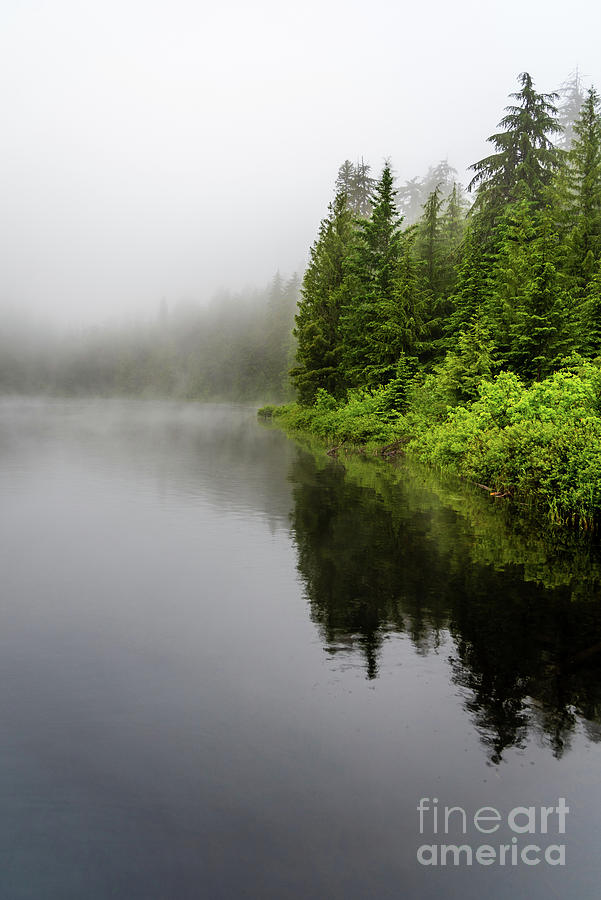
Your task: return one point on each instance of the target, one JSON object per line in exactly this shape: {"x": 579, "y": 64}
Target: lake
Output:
{"x": 234, "y": 667}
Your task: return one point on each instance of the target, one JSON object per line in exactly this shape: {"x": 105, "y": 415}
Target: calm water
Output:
{"x": 231, "y": 667}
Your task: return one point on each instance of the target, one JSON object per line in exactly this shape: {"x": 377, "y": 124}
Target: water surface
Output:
{"x": 231, "y": 666}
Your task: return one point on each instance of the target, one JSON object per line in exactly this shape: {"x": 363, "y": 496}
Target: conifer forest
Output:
{"x": 464, "y": 325}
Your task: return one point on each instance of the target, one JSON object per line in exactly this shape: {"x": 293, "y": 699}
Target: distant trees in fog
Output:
{"x": 239, "y": 347}
{"x": 401, "y": 278}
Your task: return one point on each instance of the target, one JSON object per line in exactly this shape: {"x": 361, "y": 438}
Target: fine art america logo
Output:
{"x": 518, "y": 826}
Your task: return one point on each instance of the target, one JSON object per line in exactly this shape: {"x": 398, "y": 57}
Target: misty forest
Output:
{"x": 282, "y": 562}
{"x": 463, "y": 322}
{"x": 472, "y": 335}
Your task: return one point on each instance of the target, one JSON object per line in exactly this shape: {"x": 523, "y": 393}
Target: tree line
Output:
{"x": 503, "y": 277}
{"x": 238, "y": 347}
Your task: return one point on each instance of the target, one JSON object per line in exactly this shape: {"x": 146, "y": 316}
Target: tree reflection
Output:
{"x": 383, "y": 550}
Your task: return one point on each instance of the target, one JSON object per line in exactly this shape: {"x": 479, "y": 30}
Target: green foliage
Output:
{"x": 382, "y": 312}
{"x": 267, "y": 411}
{"x": 429, "y": 239}
{"x": 453, "y": 226}
{"x": 542, "y": 442}
{"x": 464, "y": 368}
{"x": 530, "y": 308}
{"x": 472, "y": 288}
{"x": 318, "y": 317}
{"x": 365, "y": 418}
{"x": 582, "y": 193}
{"x": 590, "y": 316}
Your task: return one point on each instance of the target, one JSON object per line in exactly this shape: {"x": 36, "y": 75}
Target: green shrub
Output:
{"x": 541, "y": 441}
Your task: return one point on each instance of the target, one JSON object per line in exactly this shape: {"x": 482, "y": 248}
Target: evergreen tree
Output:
{"x": 429, "y": 239}
{"x": 381, "y": 315}
{"x": 430, "y": 251}
{"x": 410, "y": 198}
{"x": 470, "y": 362}
{"x": 275, "y": 357}
{"x": 409, "y": 303}
{"x": 473, "y": 282}
{"x": 362, "y": 186}
{"x": 583, "y": 182}
{"x": 571, "y": 96}
{"x": 317, "y": 320}
{"x": 345, "y": 179}
{"x": 525, "y": 158}
{"x": 440, "y": 177}
{"x": 413, "y": 195}
{"x": 531, "y": 308}
{"x": 453, "y": 224}
{"x": 590, "y": 317}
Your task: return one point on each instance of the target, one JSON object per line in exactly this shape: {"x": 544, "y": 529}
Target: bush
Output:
{"x": 541, "y": 441}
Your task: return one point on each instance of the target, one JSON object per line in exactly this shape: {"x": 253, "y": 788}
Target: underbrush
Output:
{"x": 540, "y": 443}
{"x": 362, "y": 419}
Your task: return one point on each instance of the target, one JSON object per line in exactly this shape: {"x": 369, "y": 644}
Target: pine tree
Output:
{"x": 317, "y": 327}
{"x": 345, "y": 179}
{"x": 472, "y": 289}
{"x": 410, "y": 201}
{"x": 381, "y": 317}
{"x": 583, "y": 188}
{"x": 408, "y": 304}
{"x": 362, "y": 186}
{"x": 531, "y": 307}
{"x": 429, "y": 239}
{"x": 471, "y": 361}
{"x": 440, "y": 177}
{"x": 590, "y": 316}
{"x": 571, "y": 94}
{"x": 453, "y": 224}
{"x": 430, "y": 251}
{"x": 525, "y": 158}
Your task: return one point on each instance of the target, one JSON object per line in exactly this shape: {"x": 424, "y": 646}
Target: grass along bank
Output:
{"x": 539, "y": 443}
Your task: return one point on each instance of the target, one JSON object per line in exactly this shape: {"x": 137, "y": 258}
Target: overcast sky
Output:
{"x": 156, "y": 149}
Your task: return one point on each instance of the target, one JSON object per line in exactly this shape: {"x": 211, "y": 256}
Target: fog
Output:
{"x": 154, "y": 149}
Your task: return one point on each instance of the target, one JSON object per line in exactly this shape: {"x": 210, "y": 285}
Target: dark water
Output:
{"x": 230, "y": 667}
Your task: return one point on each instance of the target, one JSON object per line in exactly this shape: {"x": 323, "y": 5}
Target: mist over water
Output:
{"x": 232, "y": 667}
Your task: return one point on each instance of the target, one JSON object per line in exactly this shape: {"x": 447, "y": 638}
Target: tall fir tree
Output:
{"x": 522, "y": 169}
{"x": 453, "y": 226}
{"x": 582, "y": 179}
{"x": 410, "y": 199}
{"x": 472, "y": 288}
{"x": 530, "y": 306}
{"x": 345, "y": 179}
{"x": 317, "y": 328}
{"x": 571, "y": 97}
{"x": 590, "y": 316}
{"x": 440, "y": 177}
{"x": 430, "y": 239}
{"x": 430, "y": 251}
{"x": 381, "y": 315}
{"x": 469, "y": 362}
{"x": 362, "y": 186}
{"x": 525, "y": 158}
